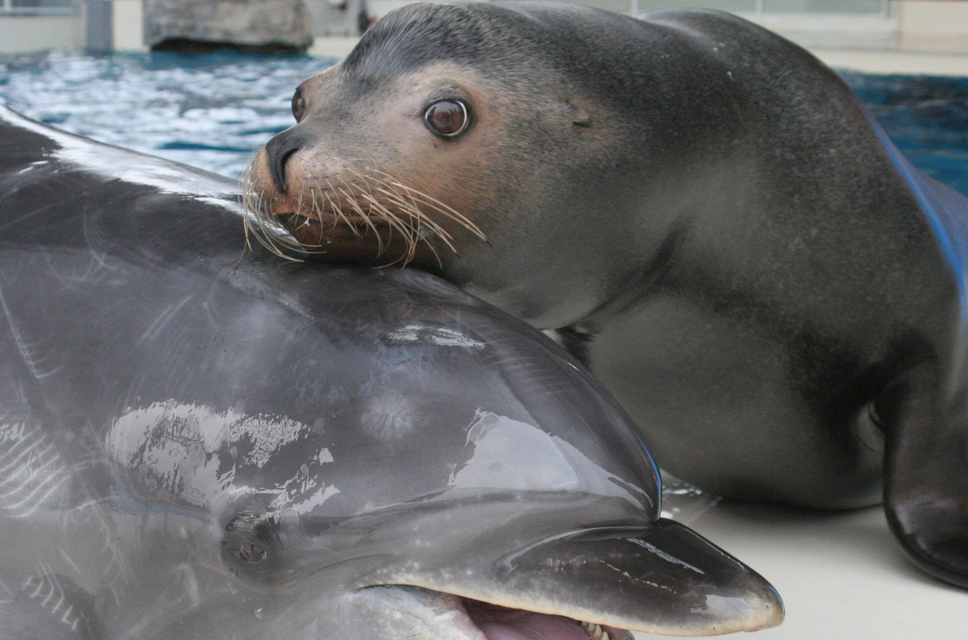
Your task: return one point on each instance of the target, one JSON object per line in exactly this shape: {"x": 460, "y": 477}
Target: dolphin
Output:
{"x": 200, "y": 440}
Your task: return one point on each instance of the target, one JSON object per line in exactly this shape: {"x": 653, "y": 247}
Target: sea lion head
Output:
{"x": 459, "y": 139}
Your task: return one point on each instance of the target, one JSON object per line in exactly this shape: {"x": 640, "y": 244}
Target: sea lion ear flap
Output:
{"x": 926, "y": 485}
{"x": 579, "y": 117}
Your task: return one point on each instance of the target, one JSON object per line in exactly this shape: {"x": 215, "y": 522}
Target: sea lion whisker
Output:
{"x": 366, "y": 219}
{"x": 299, "y": 200}
{"x": 318, "y": 207}
{"x": 389, "y": 216}
{"x": 350, "y": 195}
{"x": 444, "y": 209}
{"x": 420, "y": 219}
{"x": 413, "y": 209}
{"x": 266, "y": 230}
{"x": 251, "y": 201}
{"x": 338, "y": 208}
{"x": 394, "y": 221}
{"x": 416, "y": 216}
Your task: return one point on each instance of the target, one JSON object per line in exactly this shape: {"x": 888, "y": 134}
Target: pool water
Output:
{"x": 927, "y": 118}
{"x": 210, "y": 111}
{"x": 213, "y": 110}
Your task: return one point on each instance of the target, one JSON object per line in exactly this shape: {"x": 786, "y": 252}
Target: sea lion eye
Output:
{"x": 447, "y": 118}
{"x": 298, "y": 105}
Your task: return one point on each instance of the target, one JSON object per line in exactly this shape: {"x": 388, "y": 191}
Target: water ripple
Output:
{"x": 210, "y": 111}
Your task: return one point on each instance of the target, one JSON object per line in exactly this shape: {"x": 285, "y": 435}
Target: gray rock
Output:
{"x": 248, "y": 24}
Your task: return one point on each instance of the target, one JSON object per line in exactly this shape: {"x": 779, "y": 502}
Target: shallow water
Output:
{"x": 214, "y": 110}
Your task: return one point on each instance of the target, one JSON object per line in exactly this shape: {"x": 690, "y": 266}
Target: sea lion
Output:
{"x": 196, "y": 439}
{"x": 703, "y": 211}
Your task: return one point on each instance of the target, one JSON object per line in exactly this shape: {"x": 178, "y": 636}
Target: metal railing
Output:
{"x": 39, "y": 7}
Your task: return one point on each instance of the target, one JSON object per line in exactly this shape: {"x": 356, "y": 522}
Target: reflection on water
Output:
{"x": 214, "y": 110}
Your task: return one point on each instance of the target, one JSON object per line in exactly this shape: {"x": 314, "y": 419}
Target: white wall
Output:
{"x": 127, "y": 23}
{"x": 933, "y": 26}
{"x": 23, "y": 34}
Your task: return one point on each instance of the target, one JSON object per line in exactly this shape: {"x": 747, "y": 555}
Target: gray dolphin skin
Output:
{"x": 202, "y": 441}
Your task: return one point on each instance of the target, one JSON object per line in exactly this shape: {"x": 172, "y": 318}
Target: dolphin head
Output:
{"x": 479, "y": 487}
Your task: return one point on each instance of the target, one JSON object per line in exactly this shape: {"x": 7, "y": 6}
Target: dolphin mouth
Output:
{"x": 663, "y": 578}
{"x": 502, "y": 623}
{"x": 419, "y": 612}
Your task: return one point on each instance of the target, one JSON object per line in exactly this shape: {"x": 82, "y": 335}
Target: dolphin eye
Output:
{"x": 251, "y": 553}
{"x": 298, "y": 105}
{"x": 250, "y": 542}
{"x": 447, "y": 118}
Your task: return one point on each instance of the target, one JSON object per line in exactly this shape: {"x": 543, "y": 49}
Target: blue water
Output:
{"x": 214, "y": 110}
{"x": 927, "y": 118}
{"x": 210, "y": 111}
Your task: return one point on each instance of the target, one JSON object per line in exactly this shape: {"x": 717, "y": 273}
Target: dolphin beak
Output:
{"x": 666, "y": 579}
{"x": 662, "y": 578}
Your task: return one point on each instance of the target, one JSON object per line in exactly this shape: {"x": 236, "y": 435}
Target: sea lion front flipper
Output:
{"x": 924, "y": 412}
{"x": 926, "y": 485}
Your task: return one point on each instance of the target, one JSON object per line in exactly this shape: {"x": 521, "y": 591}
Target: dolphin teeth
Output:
{"x": 594, "y": 631}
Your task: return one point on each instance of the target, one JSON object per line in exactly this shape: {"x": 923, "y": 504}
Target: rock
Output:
{"x": 248, "y": 25}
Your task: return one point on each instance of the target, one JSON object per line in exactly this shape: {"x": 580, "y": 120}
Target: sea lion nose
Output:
{"x": 278, "y": 152}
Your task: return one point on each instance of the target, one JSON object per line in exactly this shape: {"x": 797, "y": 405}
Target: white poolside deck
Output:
{"x": 842, "y": 576}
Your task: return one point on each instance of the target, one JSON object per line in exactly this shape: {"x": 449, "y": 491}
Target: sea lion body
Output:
{"x": 702, "y": 210}
{"x": 196, "y": 439}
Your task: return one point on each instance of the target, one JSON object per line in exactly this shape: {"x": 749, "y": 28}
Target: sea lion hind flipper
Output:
{"x": 926, "y": 488}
